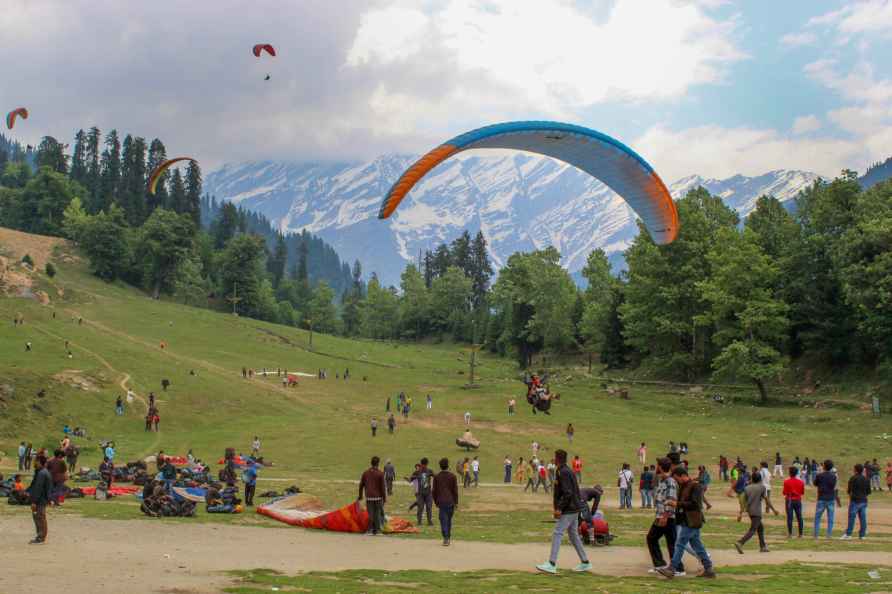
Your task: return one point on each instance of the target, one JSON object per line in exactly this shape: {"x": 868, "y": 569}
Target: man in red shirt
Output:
{"x": 794, "y": 489}
{"x": 577, "y": 468}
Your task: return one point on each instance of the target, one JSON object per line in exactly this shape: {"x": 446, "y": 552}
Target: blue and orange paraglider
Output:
{"x": 161, "y": 168}
{"x": 21, "y": 112}
{"x": 602, "y": 157}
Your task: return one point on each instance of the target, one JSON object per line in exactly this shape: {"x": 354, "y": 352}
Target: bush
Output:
{"x": 50, "y": 270}
{"x": 27, "y": 260}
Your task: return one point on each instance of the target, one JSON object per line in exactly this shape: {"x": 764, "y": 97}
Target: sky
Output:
{"x": 704, "y": 87}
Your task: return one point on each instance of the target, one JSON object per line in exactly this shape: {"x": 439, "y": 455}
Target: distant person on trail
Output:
{"x": 535, "y": 447}
{"x": 466, "y": 473}
{"x": 690, "y": 520}
{"x": 58, "y": 472}
{"x": 566, "y": 512}
{"x": 624, "y": 481}
{"x": 858, "y": 490}
{"x": 119, "y": 406}
{"x": 570, "y": 432}
{"x": 425, "y": 500}
{"x": 374, "y": 426}
{"x": 766, "y": 479}
{"x": 21, "y": 453}
{"x": 372, "y": 486}
{"x": 826, "y": 484}
{"x": 475, "y": 469}
{"x": 255, "y": 446}
{"x": 387, "y": 405}
{"x": 530, "y": 473}
{"x": 723, "y": 468}
{"x": 40, "y": 492}
{"x": 507, "y": 469}
{"x": 512, "y": 404}
{"x": 542, "y": 472}
{"x": 468, "y": 418}
{"x": 642, "y": 454}
{"x": 794, "y": 490}
{"x": 755, "y": 494}
{"x": 110, "y": 451}
{"x": 778, "y": 465}
{"x": 107, "y": 471}
{"x": 577, "y": 468}
{"x": 391, "y": 423}
{"x": 29, "y": 453}
{"x": 644, "y": 487}
{"x": 430, "y": 402}
{"x": 389, "y": 476}
{"x": 71, "y": 456}
{"x": 445, "y": 496}
{"x": 151, "y": 399}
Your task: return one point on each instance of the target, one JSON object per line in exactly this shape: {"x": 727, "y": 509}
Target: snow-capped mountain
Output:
{"x": 521, "y": 202}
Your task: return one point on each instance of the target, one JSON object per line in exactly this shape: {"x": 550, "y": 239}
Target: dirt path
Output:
{"x": 166, "y": 557}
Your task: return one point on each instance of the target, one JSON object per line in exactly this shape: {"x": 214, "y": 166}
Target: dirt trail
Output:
{"x": 162, "y": 556}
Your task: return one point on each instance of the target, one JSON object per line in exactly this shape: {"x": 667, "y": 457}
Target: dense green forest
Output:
{"x": 729, "y": 298}
{"x": 177, "y": 241}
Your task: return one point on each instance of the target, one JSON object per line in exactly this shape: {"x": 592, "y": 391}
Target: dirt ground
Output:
{"x": 101, "y": 556}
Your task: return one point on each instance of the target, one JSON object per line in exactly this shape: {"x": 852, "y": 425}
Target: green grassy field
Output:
{"x": 318, "y": 434}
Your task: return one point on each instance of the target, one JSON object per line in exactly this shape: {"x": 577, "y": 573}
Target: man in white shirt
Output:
{"x": 255, "y": 446}
{"x": 475, "y": 468}
{"x": 625, "y": 487}
{"x": 766, "y": 479}
{"x": 535, "y": 448}
{"x": 468, "y": 418}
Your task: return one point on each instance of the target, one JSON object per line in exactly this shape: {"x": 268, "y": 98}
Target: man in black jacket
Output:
{"x": 39, "y": 491}
{"x": 858, "y": 490}
{"x": 566, "y": 512}
{"x": 690, "y": 518}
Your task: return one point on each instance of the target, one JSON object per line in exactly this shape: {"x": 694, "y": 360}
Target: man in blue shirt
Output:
{"x": 22, "y": 456}
{"x": 826, "y": 484}
{"x": 110, "y": 451}
{"x": 250, "y": 478}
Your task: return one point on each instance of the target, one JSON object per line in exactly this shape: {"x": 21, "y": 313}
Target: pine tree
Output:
{"x": 4, "y": 159}
{"x": 278, "y": 260}
{"x": 79, "y": 159}
{"x": 177, "y": 194}
{"x": 442, "y": 260}
{"x": 427, "y": 264}
{"x": 461, "y": 253}
{"x": 193, "y": 192}
{"x": 226, "y": 225}
{"x": 481, "y": 269}
{"x": 51, "y": 153}
{"x": 94, "y": 171}
{"x": 157, "y": 155}
{"x": 110, "y": 176}
{"x": 131, "y": 192}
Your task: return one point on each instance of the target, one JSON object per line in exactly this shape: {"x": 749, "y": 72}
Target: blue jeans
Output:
{"x": 625, "y": 498}
{"x": 690, "y": 536}
{"x": 446, "y": 512}
{"x": 860, "y": 510}
{"x": 507, "y": 473}
{"x": 568, "y": 523}
{"x": 830, "y": 507}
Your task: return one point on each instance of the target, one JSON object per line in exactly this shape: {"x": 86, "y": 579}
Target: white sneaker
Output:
{"x": 845, "y": 537}
{"x": 656, "y": 569}
{"x": 680, "y": 573}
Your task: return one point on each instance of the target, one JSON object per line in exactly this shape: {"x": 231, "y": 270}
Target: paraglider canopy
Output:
{"x": 605, "y": 158}
{"x": 264, "y": 47}
{"x": 20, "y": 112}
{"x": 161, "y": 168}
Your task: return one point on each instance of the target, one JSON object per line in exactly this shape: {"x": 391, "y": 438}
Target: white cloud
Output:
{"x": 714, "y": 151}
{"x": 799, "y": 39}
{"x": 859, "y": 85}
{"x": 806, "y": 124}
{"x": 866, "y": 16}
{"x": 548, "y": 56}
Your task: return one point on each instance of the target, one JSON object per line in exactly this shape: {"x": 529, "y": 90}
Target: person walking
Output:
{"x": 778, "y": 465}
{"x": 755, "y": 494}
{"x": 570, "y": 432}
{"x": 387, "y": 405}
{"x": 374, "y": 426}
{"x": 250, "y": 478}
{"x": 507, "y": 470}
{"x": 624, "y": 481}
{"x": 512, "y": 405}
{"x": 739, "y": 488}
{"x": 29, "y": 456}
{"x": 691, "y": 520}
{"x": 644, "y": 488}
{"x": 723, "y": 468}
{"x": 663, "y": 526}
{"x": 794, "y": 490}
{"x": 425, "y": 499}
{"x": 466, "y": 473}
{"x": 475, "y": 468}
{"x": 530, "y": 471}
{"x": 119, "y": 406}
{"x": 430, "y": 402}
{"x": 391, "y": 423}
{"x": 255, "y": 447}
{"x": 40, "y": 492}
{"x": 577, "y": 468}
{"x": 389, "y": 476}
{"x": 371, "y": 485}
{"x": 567, "y": 506}
{"x": 858, "y": 490}
{"x": 59, "y": 473}
{"x": 874, "y": 476}
{"x": 826, "y": 484}
{"x": 467, "y": 418}
{"x": 21, "y": 453}
{"x": 110, "y": 451}
{"x": 642, "y": 453}
{"x": 445, "y": 495}
{"x": 542, "y": 481}
{"x": 766, "y": 479}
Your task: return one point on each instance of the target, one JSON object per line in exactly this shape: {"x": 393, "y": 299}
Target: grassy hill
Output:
{"x": 319, "y": 433}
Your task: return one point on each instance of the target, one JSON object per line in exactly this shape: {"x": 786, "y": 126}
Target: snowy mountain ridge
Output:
{"x": 520, "y": 201}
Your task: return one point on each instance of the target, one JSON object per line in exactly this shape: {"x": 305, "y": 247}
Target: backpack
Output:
{"x": 424, "y": 482}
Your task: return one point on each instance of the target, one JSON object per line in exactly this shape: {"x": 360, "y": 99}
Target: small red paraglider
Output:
{"x": 264, "y": 47}
{"x": 21, "y": 112}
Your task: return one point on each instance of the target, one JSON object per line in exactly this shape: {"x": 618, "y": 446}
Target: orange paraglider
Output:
{"x": 21, "y": 112}
{"x": 161, "y": 168}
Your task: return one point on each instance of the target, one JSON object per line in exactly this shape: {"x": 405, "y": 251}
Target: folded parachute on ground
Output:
{"x": 308, "y": 512}
{"x": 599, "y": 155}
{"x": 21, "y": 112}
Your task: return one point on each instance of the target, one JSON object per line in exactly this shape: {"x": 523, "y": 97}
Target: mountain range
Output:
{"x": 520, "y": 201}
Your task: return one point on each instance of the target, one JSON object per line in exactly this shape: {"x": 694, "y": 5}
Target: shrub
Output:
{"x": 27, "y": 260}
{"x": 50, "y": 270}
